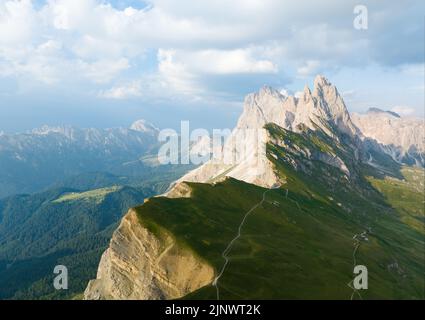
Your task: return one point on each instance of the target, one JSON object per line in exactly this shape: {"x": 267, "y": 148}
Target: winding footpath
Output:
{"x": 226, "y": 251}
{"x": 350, "y": 284}
{"x": 229, "y": 247}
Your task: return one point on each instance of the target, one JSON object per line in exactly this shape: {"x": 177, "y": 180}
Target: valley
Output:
{"x": 63, "y": 226}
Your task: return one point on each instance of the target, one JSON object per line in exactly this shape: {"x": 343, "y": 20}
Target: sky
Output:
{"x": 100, "y": 63}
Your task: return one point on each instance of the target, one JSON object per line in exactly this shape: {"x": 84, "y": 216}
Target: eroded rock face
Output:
{"x": 179, "y": 190}
{"x": 310, "y": 109}
{"x": 401, "y": 138}
{"x": 138, "y": 265}
{"x": 243, "y": 158}
{"x": 322, "y": 108}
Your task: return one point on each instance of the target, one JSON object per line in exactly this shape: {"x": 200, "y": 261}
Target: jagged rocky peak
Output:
{"x": 325, "y": 90}
{"x": 331, "y": 103}
{"x": 306, "y": 93}
{"x": 322, "y": 108}
{"x": 269, "y": 91}
{"x": 311, "y": 108}
{"x": 320, "y": 81}
{"x": 144, "y": 126}
{"x": 264, "y": 98}
{"x": 261, "y": 107}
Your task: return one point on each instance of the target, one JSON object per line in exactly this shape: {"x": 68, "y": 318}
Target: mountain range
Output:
{"x": 41, "y": 158}
{"x": 312, "y": 195}
{"x": 64, "y": 191}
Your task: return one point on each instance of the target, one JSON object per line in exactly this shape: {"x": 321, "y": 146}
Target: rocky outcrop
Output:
{"x": 179, "y": 190}
{"x": 243, "y": 156}
{"x": 141, "y": 265}
{"x": 401, "y": 138}
{"x": 312, "y": 109}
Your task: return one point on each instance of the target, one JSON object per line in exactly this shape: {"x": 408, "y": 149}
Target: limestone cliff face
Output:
{"x": 401, "y": 138}
{"x": 311, "y": 109}
{"x": 244, "y": 153}
{"x": 138, "y": 265}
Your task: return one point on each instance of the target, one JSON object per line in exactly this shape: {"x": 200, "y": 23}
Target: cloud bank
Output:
{"x": 203, "y": 49}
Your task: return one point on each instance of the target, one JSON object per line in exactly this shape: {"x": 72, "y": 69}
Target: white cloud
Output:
{"x": 186, "y": 72}
{"x": 309, "y": 68}
{"x": 102, "y": 71}
{"x": 42, "y": 63}
{"x": 349, "y": 95}
{"x": 131, "y": 90}
{"x": 71, "y": 15}
{"x": 226, "y": 62}
{"x": 200, "y": 43}
{"x": 403, "y": 110}
{"x": 18, "y": 23}
{"x": 175, "y": 75}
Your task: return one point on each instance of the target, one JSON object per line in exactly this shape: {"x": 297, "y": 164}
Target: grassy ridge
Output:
{"x": 299, "y": 243}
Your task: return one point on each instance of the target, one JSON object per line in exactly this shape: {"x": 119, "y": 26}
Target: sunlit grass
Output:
{"x": 92, "y": 195}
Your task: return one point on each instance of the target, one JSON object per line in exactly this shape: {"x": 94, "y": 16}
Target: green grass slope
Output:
{"x": 299, "y": 243}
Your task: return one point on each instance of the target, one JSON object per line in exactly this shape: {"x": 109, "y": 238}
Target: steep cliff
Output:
{"x": 142, "y": 265}
{"x": 402, "y": 138}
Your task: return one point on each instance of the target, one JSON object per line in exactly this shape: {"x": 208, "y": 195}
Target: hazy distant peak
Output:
{"x": 46, "y": 130}
{"x": 144, "y": 126}
{"x": 374, "y": 110}
{"x": 403, "y": 138}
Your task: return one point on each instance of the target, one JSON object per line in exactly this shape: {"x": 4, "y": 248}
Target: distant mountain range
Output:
{"x": 289, "y": 221}
{"x": 63, "y": 191}
{"x": 36, "y": 160}
{"x": 402, "y": 138}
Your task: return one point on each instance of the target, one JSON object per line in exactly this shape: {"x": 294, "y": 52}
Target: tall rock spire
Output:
{"x": 323, "y": 108}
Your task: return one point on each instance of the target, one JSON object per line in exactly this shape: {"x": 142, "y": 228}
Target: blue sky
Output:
{"x": 108, "y": 63}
